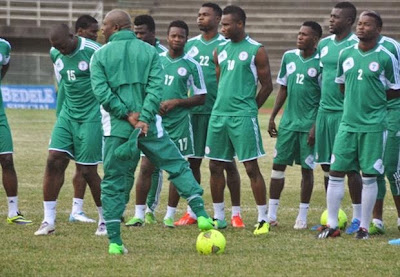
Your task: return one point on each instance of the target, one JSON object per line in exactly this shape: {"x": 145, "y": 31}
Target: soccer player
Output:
{"x": 330, "y": 111}
{"x": 201, "y": 49}
{"x": 77, "y": 133}
{"x": 150, "y": 179}
{"x": 233, "y": 129}
{"x": 368, "y": 75}
{"x": 181, "y": 73}
{"x": 85, "y": 26}
{"x": 127, "y": 79}
{"x": 10, "y": 181}
{"x": 299, "y": 78}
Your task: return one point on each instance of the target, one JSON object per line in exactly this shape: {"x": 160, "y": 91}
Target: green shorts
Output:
{"x": 326, "y": 128}
{"x": 82, "y": 141}
{"x": 182, "y": 135}
{"x": 6, "y": 144}
{"x": 200, "y": 127}
{"x": 292, "y": 146}
{"x": 359, "y": 151}
{"x": 228, "y": 135}
{"x": 392, "y": 151}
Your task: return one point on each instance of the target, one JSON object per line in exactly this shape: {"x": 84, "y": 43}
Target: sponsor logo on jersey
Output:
{"x": 324, "y": 51}
{"x": 348, "y": 64}
{"x": 59, "y": 65}
{"x": 373, "y": 66}
{"x": 312, "y": 72}
{"x": 193, "y": 51}
{"x": 83, "y": 65}
{"x": 290, "y": 68}
{"x": 243, "y": 56}
{"x": 222, "y": 56}
{"x": 182, "y": 71}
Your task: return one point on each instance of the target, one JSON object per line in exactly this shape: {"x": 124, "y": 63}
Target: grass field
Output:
{"x": 75, "y": 251}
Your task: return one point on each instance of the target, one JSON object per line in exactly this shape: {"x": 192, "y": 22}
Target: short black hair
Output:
{"x": 84, "y": 22}
{"x": 217, "y": 9}
{"x": 315, "y": 27}
{"x": 351, "y": 9}
{"x": 179, "y": 24}
{"x": 145, "y": 19}
{"x": 237, "y": 12}
{"x": 376, "y": 16}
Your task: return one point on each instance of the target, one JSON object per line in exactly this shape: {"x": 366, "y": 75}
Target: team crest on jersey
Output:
{"x": 373, "y": 66}
{"x": 312, "y": 72}
{"x": 348, "y": 64}
{"x": 222, "y": 56}
{"x": 193, "y": 51}
{"x": 182, "y": 71}
{"x": 243, "y": 56}
{"x": 83, "y": 65}
{"x": 290, "y": 68}
{"x": 324, "y": 51}
{"x": 59, "y": 65}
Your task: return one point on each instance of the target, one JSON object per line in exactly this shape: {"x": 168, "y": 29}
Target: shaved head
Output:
{"x": 115, "y": 21}
{"x": 59, "y": 31}
{"x": 63, "y": 39}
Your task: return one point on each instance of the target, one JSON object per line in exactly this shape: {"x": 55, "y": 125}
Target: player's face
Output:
{"x": 90, "y": 32}
{"x": 338, "y": 21}
{"x": 306, "y": 39}
{"x": 207, "y": 19}
{"x": 229, "y": 26}
{"x": 176, "y": 38}
{"x": 65, "y": 45}
{"x": 367, "y": 28}
{"x": 143, "y": 33}
{"x": 108, "y": 28}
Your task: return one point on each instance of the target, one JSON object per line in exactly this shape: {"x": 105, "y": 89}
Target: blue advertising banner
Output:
{"x": 29, "y": 97}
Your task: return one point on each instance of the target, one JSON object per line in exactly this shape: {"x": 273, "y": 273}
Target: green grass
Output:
{"x": 75, "y": 251}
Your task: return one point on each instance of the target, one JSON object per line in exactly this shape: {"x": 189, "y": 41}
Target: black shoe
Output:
{"x": 327, "y": 232}
{"x": 362, "y": 233}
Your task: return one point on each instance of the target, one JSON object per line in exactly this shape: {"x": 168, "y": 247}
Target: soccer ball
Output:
{"x": 210, "y": 242}
{"x": 342, "y": 218}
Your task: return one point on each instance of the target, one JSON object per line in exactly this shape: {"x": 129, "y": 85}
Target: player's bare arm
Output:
{"x": 264, "y": 76}
{"x": 311, "y": 136}
{"x": 279, "y": 101}
{"x": 4, "y": 70}
{"x": 217, "y": 69}
{"x": 170, "y": 104}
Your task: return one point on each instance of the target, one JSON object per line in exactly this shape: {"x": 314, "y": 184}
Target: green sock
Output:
{"x": 197, "y": 206}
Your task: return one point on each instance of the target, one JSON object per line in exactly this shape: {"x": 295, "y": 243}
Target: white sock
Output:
{"x": 170, "y": 212}
{"x": 356, "y": 211}
{"x": 139, "y": 211}
{"x": 219, "y": 210}
{"x": 398, "y": 221}
{"x": 303, "y": 210}
{"x": 77, "y": 205}
{"x": 368, "y": 196}
{"x": 12, "y": 206}
{"x": 377, "y": 221}
{"x": 101, "y": 218}
{"x": 148, "y": 210}
{"x": 273, "y": 205}
{"x": 50, "y": 212}
{"x": 235, "y": 211}
{"x": 190, "y": 212}
{"x": 334, "y": 197}
{"x": 262, "y": 213}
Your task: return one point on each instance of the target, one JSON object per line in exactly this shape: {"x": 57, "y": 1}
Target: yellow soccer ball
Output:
{"x": 210, "y": 242}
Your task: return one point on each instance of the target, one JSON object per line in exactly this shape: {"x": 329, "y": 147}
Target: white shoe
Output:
{"x": 80, "y": 217}
{"x": 45, "y": 229}
{"x": 300, "y": 224}
{"x": 101, "y": 230}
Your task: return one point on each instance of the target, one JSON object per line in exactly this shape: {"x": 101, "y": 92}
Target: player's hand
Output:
{"x": 272, "y": 129}
{"x": 311, "y": 136}
{"x": 143, "y": 126}
{"x": 167, "y": 106}
{"x": 133, "y": 118}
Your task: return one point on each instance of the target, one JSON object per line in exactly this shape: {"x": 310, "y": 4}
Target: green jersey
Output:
{"x": 394, "y": 47}
{"x": 5, "y": 49}
{"x": 237, "y": 87}
{"x": 73, "y": 74}
{"x": 180, "y": 74}
{"x": 329, "y": 49}
{"x": 302, "y": 79}
{"x": 159, "y": 47}
{"x": 202, "y": 51}
{"x": 366, "y": 77}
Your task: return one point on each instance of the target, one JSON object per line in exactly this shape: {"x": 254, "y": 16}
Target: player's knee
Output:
{"x": 216, "y": 167}
{"x": 277, "y": 174}
{"x": 7, "y": 162}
